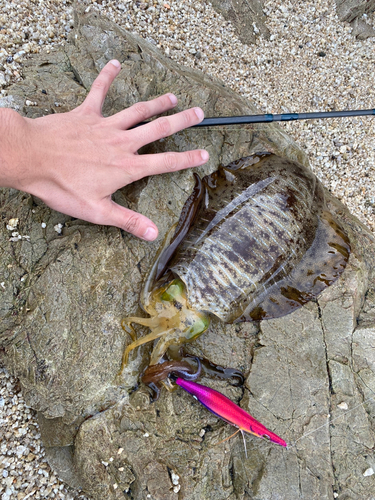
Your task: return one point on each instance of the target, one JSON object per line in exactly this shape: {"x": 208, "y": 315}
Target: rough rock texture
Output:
{"x": 348, "y": 10}
{"x": 247, "y": 17}
{"x": 63, "y": 297}
{"x": 249, "y": 20}
{"x": 362, "y": 30}
{"x": 352, "y": 11}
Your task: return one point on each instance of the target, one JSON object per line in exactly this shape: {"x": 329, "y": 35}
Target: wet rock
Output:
{"x": 64, "y": 296}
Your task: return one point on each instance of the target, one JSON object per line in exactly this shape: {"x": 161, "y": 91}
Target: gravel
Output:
{"x": 24, "y": 471}
{"x": 311, "y": 62}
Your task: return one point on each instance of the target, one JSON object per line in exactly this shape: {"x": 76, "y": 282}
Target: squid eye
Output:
{"x": 174, "y": 291}
{"x": 200, "y": 325}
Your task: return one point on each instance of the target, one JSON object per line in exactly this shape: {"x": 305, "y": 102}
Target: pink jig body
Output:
{"x": 224, "y": 408}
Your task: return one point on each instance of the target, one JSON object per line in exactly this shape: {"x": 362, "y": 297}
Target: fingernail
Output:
{"x": 173, "y": 99}
{"x": 199, "y": 113}
{"x": 204, "y": 155}
{"x": 150, "y": 234}
{"x": 115, "y": 63}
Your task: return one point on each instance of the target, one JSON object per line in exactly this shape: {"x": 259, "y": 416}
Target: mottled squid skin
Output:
{"x": 263, "y": 242}
{"x": 255, "y": 241}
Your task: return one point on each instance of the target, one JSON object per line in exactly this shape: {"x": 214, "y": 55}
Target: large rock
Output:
{"x": 247, "y": 17}
{"x": 352, "y": 11}
{"x": 63, "y": 297}
{"x": 349, "y": 10}
{"x": 249, "y": 20}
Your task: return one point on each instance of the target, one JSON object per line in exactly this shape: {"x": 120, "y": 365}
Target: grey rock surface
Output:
{"x": 352, "y": 12}
{"x": 348, "y": 10}
{"x": 64, "y": 297}
{"x": 247, "y": 17}
{"x": 362, "y": 30}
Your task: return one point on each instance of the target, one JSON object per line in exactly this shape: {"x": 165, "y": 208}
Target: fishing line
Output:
{"x": 331, "y": 421}
{"x": 232, "y": 435}
{"x": 291, "y": 445}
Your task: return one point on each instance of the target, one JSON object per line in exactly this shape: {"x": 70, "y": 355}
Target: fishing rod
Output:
{"x": 267, "y": 118}
{"x": 241, "y": 120}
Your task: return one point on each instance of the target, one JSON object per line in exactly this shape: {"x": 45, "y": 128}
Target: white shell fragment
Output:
{"x": 368, "y": 472}
{"x": 12, "y": 224}
{"x": 15, "y": 236}
{"x": 342, "y": 406}
{"x": 175, "y": 478}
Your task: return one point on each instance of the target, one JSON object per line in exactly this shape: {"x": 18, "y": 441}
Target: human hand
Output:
{"x": 77, "y": 160}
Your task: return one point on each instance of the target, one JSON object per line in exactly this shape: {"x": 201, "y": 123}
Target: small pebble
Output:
{"x": 175, "y": 478}
{"x": 12, "y": 224}
{"x": 368, "y": 472}
{"x": 3, "y": 80}
{"x": 342, "y": 406}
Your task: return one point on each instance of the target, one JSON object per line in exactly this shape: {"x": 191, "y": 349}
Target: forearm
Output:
{"x": 13, "y": 149}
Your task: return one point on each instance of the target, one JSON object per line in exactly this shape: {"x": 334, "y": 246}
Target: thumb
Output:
{"x": 128, "y": 220}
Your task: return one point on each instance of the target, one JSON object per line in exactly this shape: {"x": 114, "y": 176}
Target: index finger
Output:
{"x": 100, "y": 86}
{"x": 164, "y": 126}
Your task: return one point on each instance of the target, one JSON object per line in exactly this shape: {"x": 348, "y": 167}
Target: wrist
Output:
{"x": 14, "y": 164}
